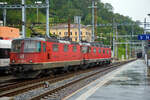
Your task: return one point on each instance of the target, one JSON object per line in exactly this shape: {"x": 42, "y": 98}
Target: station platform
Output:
{"x": 129, "y": 82}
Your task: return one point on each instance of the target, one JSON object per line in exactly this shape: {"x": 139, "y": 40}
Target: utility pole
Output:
{"x": 47, "y": 18}
{"x": 37, "y": 9}
{"x": 4, "y": 13}
{"x": 113, "y": 38}
{"x": 144, "y": 33}
{"x": 131, "y": 41}
{"x": 79, "y": 27}
{"x": 95, "y": 19}
{"x": 69, "y": 27}
{"x": 116, "y": 41}
{"x": 69, "y": 20}
{"x": 126, "y": 50}
{"x": 93, "y": 31}
{"x": 23, "y": 19}
{"x": 144, "y": 44}
{"x": 4, "y": 16}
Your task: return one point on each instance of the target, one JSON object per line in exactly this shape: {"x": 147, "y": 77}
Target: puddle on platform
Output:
{"x": 135, "y": 75}
{"x": 131, "y": 84}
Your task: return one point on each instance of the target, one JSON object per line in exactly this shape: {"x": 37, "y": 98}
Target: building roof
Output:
{"x": 9, "y": 32}
{"x": 62, "y": 26}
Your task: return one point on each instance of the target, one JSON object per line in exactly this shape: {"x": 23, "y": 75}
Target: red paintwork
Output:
{"x": 97, "y": 55}
{"x": 60, "y": 55}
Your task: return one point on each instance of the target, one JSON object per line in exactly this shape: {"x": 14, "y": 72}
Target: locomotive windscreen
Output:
{"x": 26, "y": 46}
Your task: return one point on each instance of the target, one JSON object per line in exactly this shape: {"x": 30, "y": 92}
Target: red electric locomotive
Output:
{"x": 32, "y": 56}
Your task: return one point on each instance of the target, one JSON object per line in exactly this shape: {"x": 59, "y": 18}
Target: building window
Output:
{"x": 55, "y": 47}
{"x": 86, "y": 33}
{"x": 75, "y": 39}
{"x": 94, "y": 50}
{"x": 66, "y": 33}
{"x": 75, "y": 33}
{"x": 65, "y": 48}
{"x": 59, "y": 33}
{"x": 74, "y": 48}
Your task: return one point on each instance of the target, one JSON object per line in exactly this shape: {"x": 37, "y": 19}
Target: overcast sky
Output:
{"x": 135, "y": 9}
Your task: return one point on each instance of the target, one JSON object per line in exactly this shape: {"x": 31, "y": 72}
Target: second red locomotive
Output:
{"x": 32, "y": 56}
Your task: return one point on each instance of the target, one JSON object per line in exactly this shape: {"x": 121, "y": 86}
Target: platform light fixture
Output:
{"x": 4, "y": 13}
{"x": 38, "y": 3}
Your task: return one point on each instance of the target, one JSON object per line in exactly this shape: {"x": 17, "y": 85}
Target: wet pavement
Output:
{"x": 129, "y": 82}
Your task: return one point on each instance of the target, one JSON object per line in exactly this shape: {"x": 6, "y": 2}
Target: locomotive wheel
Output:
{"x": 24, "y": 75}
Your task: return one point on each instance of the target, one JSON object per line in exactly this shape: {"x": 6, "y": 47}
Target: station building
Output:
{"x": 61, "y": 30}
{"x": 9, "y": 32}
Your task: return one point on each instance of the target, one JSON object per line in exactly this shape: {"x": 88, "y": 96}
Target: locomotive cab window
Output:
{"x": 26, "y": 46}
{"x": 65, "y": 48}
{"x": 32, "y": 46}
{"x": 17, "y": 45}
{"x": 55, "y": 47}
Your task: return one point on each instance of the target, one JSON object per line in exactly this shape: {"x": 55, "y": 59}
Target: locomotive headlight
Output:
{"x": 30, "y": 61}
{"x": 13, "y": 61}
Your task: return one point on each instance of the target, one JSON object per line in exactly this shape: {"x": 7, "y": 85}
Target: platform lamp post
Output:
{"x": 23, "y": 19}
{"x": 148, "y": 67}
{"x": 4, "y": 13}
{"x": 37, "y": 11}
{"x": 147, "y": 53}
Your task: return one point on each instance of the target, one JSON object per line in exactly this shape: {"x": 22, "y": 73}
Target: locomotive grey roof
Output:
{"x": 35, "y": 38}
{"x": 95, "y": 44}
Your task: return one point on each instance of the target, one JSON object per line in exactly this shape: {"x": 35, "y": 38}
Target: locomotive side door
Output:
{"x": 85, "y": 52}
{"x": 44, "y": 52}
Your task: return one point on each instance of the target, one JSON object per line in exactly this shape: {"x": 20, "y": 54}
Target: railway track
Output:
{"x": 7, "y": 80}
{"x": 52, "y": 87}
{"x": 70, "y": 87}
